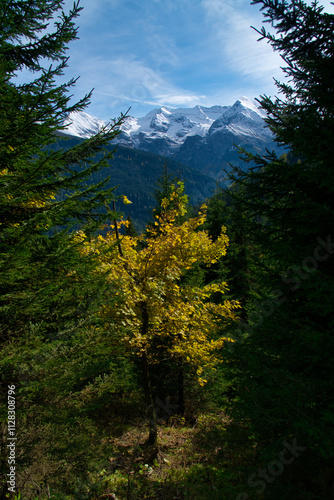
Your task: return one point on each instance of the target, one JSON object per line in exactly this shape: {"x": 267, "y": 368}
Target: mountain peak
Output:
{"x": 174, "y": 126}
{"x": 250, "y": 104}
{"x": 81, "y": 124}
{"x": 200, "y": 137}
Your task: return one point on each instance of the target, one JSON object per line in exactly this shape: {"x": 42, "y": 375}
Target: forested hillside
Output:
{"x": 136, "y": 174}
{"x": 192, "y": 359}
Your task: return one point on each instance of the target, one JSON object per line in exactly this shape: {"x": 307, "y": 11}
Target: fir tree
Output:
{"x": 165, "y": 186}
{"x": 287, "y": 359}
{"x": 130, "y": 229}
{"x": 44, "y": 193}
{"x": 236, "y": 267}
{"x": 48, "y": 294}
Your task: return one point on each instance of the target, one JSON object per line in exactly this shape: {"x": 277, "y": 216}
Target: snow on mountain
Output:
{"x": 176, "y": 125}
{"x": 200, "y": 137}
{"x": 81, "y": 124}
{"x": 244, "y": 117}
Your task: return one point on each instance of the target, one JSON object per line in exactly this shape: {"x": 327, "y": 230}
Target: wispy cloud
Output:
{"x": 180, "y": 100}
{"x": 125, "y": 81}
{"x": 148, "y": 53}
{"x": 231, "y": 23}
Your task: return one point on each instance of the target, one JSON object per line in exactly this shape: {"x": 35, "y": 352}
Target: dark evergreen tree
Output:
{"x": 164, "y": 187}
{"x": 48, "y": 292}
{"x": 43, "y": 192}
{"x": 286, "y": 362}
{"x": 242, "y": 253}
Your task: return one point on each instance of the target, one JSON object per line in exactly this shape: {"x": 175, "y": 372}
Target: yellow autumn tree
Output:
{"x": 155, "y": 311}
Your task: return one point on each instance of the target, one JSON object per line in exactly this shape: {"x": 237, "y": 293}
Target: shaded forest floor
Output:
{"x": 206, "y": 460}
{"x": 208, "y": 457}
{"x": 205, "y": 456}
{"x": 94, "y": 448}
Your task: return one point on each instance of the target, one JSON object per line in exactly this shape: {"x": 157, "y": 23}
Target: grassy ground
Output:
{"x": 207, "y": 460}
{"x": 209, "y": 457}
{"x": 102, "y": 454}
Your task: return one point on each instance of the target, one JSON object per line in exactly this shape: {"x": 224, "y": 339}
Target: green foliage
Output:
{"x": 242, "y": 255}
{"x": 130, "y": 230}
{"x": 137, "y": 173}
{"x": 48, "y": 297}
{"x": 285, "y": 364}
{"x": 36, "y": 249}
{"x": 92, "y": 328}
{"x": 166, "y": 184}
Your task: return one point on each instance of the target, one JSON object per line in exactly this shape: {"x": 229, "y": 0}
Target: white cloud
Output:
{"x": 148, "y": 53}
{"x": 231, "y": 24}
{"x": 125, "y": 81}
{"x": 152, "y": 54}
{"x": 184, "y": 100}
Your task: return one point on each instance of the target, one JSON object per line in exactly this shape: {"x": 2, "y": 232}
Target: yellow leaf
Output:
{"x": 163, "y": 316}
{"x": 126, "y": 201}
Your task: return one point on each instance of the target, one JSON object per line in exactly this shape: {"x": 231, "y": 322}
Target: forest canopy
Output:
{"x": 194, "y": 360}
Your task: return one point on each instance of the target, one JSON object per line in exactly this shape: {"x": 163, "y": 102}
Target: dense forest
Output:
{"x": 137, "y": 172}
{"x": 191, "y": 361}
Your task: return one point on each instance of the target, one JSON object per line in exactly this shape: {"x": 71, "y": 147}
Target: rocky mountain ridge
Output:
{"x": 200, "y": 137}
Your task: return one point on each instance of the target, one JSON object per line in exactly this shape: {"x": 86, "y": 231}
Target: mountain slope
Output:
{"x": 135, "y": 173}
{"x": 199, "y": 137}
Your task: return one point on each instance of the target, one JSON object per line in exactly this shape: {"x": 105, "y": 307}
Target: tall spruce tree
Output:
{"x": 47, "y": 289}
{"x": 286, "y": 361}
{"x": 241, "y": 254}
{"x": 44, "y": 193}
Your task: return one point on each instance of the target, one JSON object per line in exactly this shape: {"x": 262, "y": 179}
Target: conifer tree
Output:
{"x": 235, "y": 268}
{"x": 130, "y": 229}
{"x": 47, "y": 291}
{"x": 44, "y": 193}
{"x": 287, "y": 359}
{"x": 165, "y": 185}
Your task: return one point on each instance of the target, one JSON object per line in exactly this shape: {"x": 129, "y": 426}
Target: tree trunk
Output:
{"x": 150, "y": 410}
{"x": 117, "y": 233}
{"x": 181, "y": 390}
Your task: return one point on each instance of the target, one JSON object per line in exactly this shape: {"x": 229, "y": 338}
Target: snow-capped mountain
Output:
{"x": 243, "y": 118}
{"x": 81, "y": 124}
{"x": 174, "y": 124}
{"x": 200, "y": 137}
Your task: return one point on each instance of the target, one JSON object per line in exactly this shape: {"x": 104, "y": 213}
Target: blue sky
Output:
{"x": 174, "y": 53}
